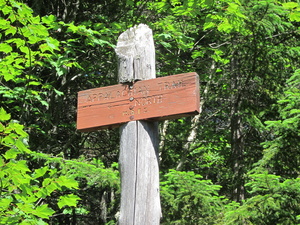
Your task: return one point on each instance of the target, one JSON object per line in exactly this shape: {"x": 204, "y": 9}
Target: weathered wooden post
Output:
{"x": 138, "y": 97}
{"x": 140, "y": 200}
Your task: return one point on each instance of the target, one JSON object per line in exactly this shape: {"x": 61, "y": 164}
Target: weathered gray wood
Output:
{"x": 140, "y": 201}
{"x": 136, "y": 54}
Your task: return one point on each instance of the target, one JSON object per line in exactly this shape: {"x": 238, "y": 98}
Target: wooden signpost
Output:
{"x": 135, "y": 105}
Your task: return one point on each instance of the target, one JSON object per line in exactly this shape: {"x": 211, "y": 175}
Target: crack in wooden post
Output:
{"x": 136, "y": 168}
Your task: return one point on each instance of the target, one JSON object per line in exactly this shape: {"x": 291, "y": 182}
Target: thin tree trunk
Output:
{"x": 236, "y": 129}
{"x": 195, "y": 121}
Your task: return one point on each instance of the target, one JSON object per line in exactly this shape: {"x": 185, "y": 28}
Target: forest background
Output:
{"x": 238, "y": 162}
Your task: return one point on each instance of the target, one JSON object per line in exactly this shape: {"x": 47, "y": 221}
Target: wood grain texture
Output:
{"x": 157, "y": 99}
{"x": 136, "y": 54}
{"x": 140, "y": 201}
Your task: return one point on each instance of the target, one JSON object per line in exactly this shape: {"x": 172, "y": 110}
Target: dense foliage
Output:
{"x": 236, "y": 163}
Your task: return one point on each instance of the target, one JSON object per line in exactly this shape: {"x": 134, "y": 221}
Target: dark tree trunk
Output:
{"x": 236, "y": 130}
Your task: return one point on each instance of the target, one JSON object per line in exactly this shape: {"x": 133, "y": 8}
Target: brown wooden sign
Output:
{"x": 159, "y": 99}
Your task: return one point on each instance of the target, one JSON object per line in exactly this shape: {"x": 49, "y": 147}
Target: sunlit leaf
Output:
{"x": 68, "y": 200}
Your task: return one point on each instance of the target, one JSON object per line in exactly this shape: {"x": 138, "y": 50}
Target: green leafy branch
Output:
{"x": 25, "y": 191}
